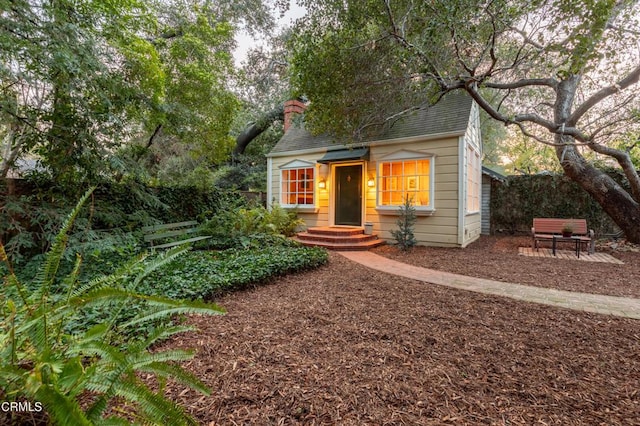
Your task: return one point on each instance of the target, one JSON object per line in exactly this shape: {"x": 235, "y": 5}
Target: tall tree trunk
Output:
{"x": 10, "y": 149}
{"x": 614, "y": 200}
{"x": 12, "y": 142}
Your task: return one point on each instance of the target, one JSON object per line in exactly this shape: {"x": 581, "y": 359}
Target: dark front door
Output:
{"x": 349, "y": 195}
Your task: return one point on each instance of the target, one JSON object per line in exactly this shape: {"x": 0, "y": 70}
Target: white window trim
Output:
{"x": 406, "y": 155}
{"x": 296, "y": 165}
{"x": 478, "y": 173}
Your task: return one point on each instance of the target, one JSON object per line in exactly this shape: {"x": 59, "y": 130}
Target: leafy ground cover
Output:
{"x": 203, "y": 274}
{"x": 77, "y": 328}
{"x": 346, "y": 345}
{"x": 127, "y": 325}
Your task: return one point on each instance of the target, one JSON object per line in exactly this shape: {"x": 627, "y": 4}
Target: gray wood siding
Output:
{"x": 486, "y": 202}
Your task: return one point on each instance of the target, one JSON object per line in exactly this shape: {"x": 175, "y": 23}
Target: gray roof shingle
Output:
{"x": 450, "y": 115}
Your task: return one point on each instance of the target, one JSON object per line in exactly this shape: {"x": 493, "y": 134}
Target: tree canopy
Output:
{"x": 564, "y": 72}
{"x": 80, "y": 78}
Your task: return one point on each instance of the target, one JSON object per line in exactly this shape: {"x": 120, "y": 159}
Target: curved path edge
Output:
{"x": 601, "y": 304}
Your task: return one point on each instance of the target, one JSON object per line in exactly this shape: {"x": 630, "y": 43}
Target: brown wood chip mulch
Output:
{"x": 497, "y": 258}
{"x": 347, "y": 345}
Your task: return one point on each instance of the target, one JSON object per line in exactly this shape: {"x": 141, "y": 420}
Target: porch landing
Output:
{"x": 338, "y": 238}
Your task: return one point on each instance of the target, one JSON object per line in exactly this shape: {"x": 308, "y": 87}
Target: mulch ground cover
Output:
{"x": 497, "y": 258}
{"x": 347, "y": 345}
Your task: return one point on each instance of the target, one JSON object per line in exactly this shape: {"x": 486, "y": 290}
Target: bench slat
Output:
{"x": 169, "y": 230}
{"x": 177, "y": 243}
{"x": 545, "y": 228}
{"x": 161, "y": 235}
{"x": 554, "y": 226}
{"x": 153, "y": 228}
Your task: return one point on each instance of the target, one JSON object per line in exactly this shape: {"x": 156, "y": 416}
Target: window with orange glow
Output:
{"x": 406, "y": 178}
{"x": 298, "y": 186}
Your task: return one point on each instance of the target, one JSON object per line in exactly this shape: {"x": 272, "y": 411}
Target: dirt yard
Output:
{"x": 345, "y": 345}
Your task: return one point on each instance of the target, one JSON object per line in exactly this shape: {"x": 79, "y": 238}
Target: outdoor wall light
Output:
{"x": 371, "y": 182}
{"x": 322, "y": 184}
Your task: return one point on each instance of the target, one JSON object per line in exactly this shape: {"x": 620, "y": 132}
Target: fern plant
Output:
{"x": 406, "y": 222}
{"x": 42, "y": 362}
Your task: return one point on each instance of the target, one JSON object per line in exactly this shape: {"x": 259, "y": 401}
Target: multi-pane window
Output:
{"x": 405, "y": 178}
{"x": 298, "y": 186}
{"x": 473, "y": 180}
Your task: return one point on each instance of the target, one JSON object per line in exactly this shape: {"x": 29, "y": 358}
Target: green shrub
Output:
{"x": 284, "y": 222}
{"x": 404, "y": 234}
{"x": 246, "y": 227}
{"x": 43, "y": 363}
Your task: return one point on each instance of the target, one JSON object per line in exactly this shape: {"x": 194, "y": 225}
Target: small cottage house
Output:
{"x": 432, "y": 156}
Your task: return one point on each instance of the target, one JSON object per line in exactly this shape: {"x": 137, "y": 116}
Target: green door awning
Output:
{"x": 345, "y": 155}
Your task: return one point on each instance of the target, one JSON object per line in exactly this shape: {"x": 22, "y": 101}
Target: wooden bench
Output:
{"x": 175, "y": 232}
{"x": 545, "y": 228}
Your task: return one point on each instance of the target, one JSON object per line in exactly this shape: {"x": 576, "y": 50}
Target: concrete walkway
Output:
{"x": 608, "y": 305}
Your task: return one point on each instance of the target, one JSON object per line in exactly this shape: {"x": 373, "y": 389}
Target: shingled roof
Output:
{"x": 449, "y": 116}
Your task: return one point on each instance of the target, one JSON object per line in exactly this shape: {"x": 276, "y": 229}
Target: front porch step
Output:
{"x": 338, "y": 238}
{"x": 337, "y": 231}
{"x": 352, "y": 238}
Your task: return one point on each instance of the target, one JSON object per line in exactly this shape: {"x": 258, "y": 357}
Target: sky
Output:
{"x": 245, "y": 41}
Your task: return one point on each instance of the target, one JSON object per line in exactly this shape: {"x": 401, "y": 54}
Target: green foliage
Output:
{"x": 630, "y": 143}
{"x": 87, "y": 77}
{"x": 406, "y": 222}
{"x": 526, "y": 156}
{"x": 347, "y": 55}
{"x": 41, "y": 361}
{"x": 195, "y": 104}
{"x": 244, "y": 176}
{"x": 567, "y": 227}
{"x": 242, "y": 227}
{"x": 494, "y": 136}
{"x": 69, "y": 99}
{"x": 202, "y": 274}
{"x": 29, "y": 222}
{"x": 517, "y": 201}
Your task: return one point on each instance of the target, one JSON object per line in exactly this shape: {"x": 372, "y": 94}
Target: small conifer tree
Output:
{"x": 404, "y": 234}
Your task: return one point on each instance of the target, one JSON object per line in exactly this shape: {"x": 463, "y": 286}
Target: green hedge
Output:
{"x": 516, "y": 201}
{"x": 29, "y": 219}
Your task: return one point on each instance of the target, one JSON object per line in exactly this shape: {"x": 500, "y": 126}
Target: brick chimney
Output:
{"x": 292, "y": 107}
